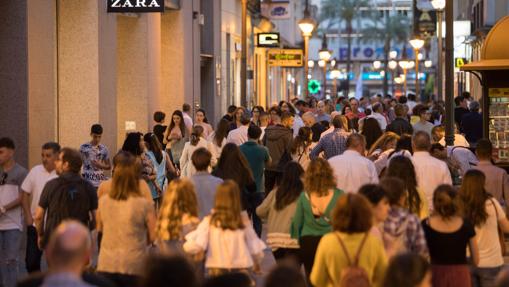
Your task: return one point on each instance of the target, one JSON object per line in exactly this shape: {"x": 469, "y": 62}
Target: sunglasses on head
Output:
{"x": 4, "y": 179}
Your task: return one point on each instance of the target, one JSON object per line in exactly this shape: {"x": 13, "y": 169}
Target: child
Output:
{"x": 227, "y": 236}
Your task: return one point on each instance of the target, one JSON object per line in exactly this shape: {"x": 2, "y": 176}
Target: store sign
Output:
{"x": 135, "y": 6}
{"x": 314, "y": 86}
{"x": 460, "y": 62}
{"x": 268, "y": 40}
{"x": 285, "y": 57}
{"x": 276, "y": 10}
{"x": 425, "y": 18}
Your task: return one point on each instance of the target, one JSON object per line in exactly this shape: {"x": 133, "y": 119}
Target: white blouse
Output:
{"x": 230, "y": 249}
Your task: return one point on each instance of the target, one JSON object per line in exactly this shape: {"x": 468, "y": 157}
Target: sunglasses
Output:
{"x": 4, "y": 179}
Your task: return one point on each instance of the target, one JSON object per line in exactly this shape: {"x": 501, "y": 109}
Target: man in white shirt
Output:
{"x": 430, "y": 172}
{"x": 351, "y": 169}
{"x": 377, "y": 115}
{"x": 238, "y": 136}
{"x": 438, "y": 134}
{"x": 188, "y": 121}
{"x": 32, "y": 188}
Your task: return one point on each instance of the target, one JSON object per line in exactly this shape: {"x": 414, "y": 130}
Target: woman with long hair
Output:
{"x": 127, "y": 222}
{"x": 255, "y": 114}
{"x": 232, "y": 164}
{"x": 448, "y": 235}
{"x": 278, "y": 209}
{"x": 302, "y": 146}
{"x": 314, "y": 208}
{"x": 178, "y": 215}
{"x": 485, "y": 212}
{"x": 162, "y": 164}
{"x": 135, "y": 145}
{"x": 403, "y": 147}
{"x": 371, "y": 131}
{"x": 226, "y": 236}
{"x": 239, "y": 112}
{"x": 218, "y": 138}
{"x": 403, "y": 168}
{"x": 384, "y": 144}
{"x": 176, "y": 136}
{"x": 196, "y": 141}
{"x": 201, "y": 120}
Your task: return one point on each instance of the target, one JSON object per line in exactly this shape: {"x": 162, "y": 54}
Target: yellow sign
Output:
{"x": 285, "y": 57}
{"x": 498, "y": 92}
{"x": 460, "y": 62}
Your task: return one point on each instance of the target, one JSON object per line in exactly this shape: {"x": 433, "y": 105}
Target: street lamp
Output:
{"x": 306, "y": 26}
{"x": 439, "y": 6}
{"x": 393, "y": 54}
{"x": 417, "y": 44}
{"x": 325, "y": 55}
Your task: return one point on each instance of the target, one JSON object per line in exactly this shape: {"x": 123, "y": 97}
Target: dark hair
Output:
{"x": 205, "y": 120}
{"x": 275, "y": 109}
{"x": 406, "y": 270}
{"x": 445, "y": 201}
{"x": 96, "y": 129}
{"x": 394, "y": 188}
{"x": 231, "y": 109}
{"x": 417, "y": 110}
{"x": 484, "y": 149}
{"x": 303, "y": 139}
{"x": 404, "y": 143}
{"x": 201, "y": 159}
{"x": 285, "y": 275}
{"x": 132, "y": 143}
{"x": 422, "y": 141}
{"x": 373, "y": 192}
{"x": 182, "y": 124}
{"x": 377, "y": 106}
{"x": 254, "y": 132}
{"x": 73, "y": 158}
{"x": 458, "y": 100}
{"x": 221, "y": 131}
{"x": 411, "y": 97}
{"x": 337, "y": 122}
{"x": 352, "y": 214}
{"x": 237, "y": 279}
{"x": 343, "y": 109}
{"x": 159, "y": 116}
{"x": 196, "y": 135}
{"x": 399, "y": 110}
{"x": 473, "y": 197}
{"x": 291, "y": 109}
{"x": 7, "y": 143}
{"x": 290, "y": 186}
{"x": 403, "y": 100}
{"x": 154, "y": 146}
{"x": 164, "y": 270}
{"x": 245, "y": 119}
{"x": 371, "y": 131}
{"x": 186, "y": 107}
{"x": 55, "y": 147}
{"x": 403, "y": 168}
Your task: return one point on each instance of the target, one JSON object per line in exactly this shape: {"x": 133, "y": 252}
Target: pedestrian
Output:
{"x": 278, "y": 140}
{"x": 257, "y": 157}
{"x": 255, "y": 114}
{"x": 401, "y": 230}
{"x": 264, "y": 123}
{"x": 278, "y": 209}
{"x": 218, "y": 138}
{"x": 285, "y": 275}
{"x": 378, "y": 115}
{"x": 238, "y": 135}
{"x": 66, "y": 197}
{"x": 302, "y": 146}
{"x": 371, "y": 131}
{"x": 350, "y": 245}
{"x": 497, "y": 181}
{"x": 201, "y": 120}
{"x": 233, "y": 165}
{"x": 96, "y": 158}
{"x": 424, "y": 121}
{"x": 351, "y": 169}
{"x": 159, "y": 128}
{"x": 188, "y": 120}
{"x": 400, "y": 125}
{"x": 135, "y": 145}
{"x": 177, "y": 217}
{"x": 379, "y": 204}
{"x": 176, "y": 136}
{"x": 355, "y": 115}
{"x": 484, "y": 211}
{"x": 162, "y": 165}
{"x": 333, "y": 144}
{"x": 11, "y": 226}
{"x": 314, "y": 208}
{"x": 205, "y": 184}
{"x": 460, "y": 110}
{"x": 196, "y": 141}
{"x": 430, "y": 172}
{"x": 321, "y": 114}
{"x": 168, "y": 270}
{"x": 408, "y": 270}
{"x": 438, "y": 135}
{"x": 472, "y": 124}
{"x": 317, "y": 128}
{"x": 384, "y": 144}
{"x": 417, "y": 203}
{"x": 244, "y": 250}
{"x": 448, "y": 235}
{"x": 230, "y": 112}
{"x": 127, "y": 221}
{"x": 237, "y": 116}
{"x": 32, "y": 188}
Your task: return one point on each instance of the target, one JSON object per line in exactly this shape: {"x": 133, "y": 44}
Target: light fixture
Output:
{"x": 393, "y": 54}
{"x": 428, "y": 63}
{"x": 377, "y": 64}
{"x": 289, "y": 77}
{"x": 416, "y": 43}
{"x": 411, "y": 64}
{"x": 438, "y": 4}
{"x": 309, "y": 77}
{"x": 403, "y": 64}
{"x": 321, "y": 63}
{"x": 398, "y": 80}
{"x": 307, "y": 24}
{"x": 333, "y": 62}
{"x": 335, "y": 74}
{"x": 324, "y": 52}
{"x": 402, "y": 77}
{"x": 420, "y": 56}
{"x": 311, "y": 63}
{"x": 393, "y": 65}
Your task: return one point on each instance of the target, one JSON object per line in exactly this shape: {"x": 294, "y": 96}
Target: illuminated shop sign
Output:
{"x": 285, "y": 57}
{"x": 268, "y": 40}
{"x": 135, "y": 6}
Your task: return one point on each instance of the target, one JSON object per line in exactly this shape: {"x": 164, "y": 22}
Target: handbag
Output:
{"x": 501, "y": 236}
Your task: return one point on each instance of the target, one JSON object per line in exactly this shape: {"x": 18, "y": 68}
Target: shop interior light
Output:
{"x": 377, "y": 64}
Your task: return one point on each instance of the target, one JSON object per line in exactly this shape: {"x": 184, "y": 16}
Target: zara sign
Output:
{"x": 135, "y": 6}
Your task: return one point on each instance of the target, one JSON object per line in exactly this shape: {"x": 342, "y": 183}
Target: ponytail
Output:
{"x": 196, "y": 134}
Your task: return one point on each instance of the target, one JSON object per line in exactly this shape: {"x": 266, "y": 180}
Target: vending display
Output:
{"x": 499, "y": 124}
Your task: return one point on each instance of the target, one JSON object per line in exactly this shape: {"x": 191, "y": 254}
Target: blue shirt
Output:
{"x": 256, "y": 156}
{"x": 205, "y": 186}
{"x": 332, "y": 144}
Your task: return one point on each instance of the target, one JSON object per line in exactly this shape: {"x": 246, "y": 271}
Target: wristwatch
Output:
{"x": 2, "y": 210}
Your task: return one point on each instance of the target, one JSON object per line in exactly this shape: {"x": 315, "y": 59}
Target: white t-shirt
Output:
{"x": 34, "y": 184}
{"x": 487, "y": 236}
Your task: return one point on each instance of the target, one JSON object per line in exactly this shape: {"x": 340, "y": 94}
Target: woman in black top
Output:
{"x": 448, "y": 236}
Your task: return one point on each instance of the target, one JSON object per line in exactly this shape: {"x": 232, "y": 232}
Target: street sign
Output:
{"x": 285, "y": 57}
{"x": 267, "y": 40}
{"x": 460, "y": 62}
{"x": 314, "y": 86}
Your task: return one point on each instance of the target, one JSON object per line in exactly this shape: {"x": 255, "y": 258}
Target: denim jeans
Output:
{"x": 484, "y": 277}
{"x": 33, "y": 253}
{"x": 255, "y": 199}
{"x": 10, "y": 244}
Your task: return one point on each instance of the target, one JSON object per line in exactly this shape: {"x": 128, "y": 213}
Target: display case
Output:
{"x": 499, "y": 124}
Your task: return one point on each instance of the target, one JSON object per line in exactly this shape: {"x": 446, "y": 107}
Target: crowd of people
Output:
{"x": 360, "y": 192}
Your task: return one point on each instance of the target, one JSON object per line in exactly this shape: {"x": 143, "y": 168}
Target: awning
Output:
{"x": 487, "y": 65}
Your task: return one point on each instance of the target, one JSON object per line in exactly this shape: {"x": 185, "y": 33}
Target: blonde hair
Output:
{"x": 227, "y": 207}
{"x": 319, "y": 177}
{"x": 382, "y": 141}
{"x": 125, "y": 181}
{"x": 179, "y": 200}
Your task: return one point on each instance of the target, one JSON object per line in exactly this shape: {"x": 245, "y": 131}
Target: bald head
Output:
{"x": 69, "y": 246}
{"x": 421, "y": 141}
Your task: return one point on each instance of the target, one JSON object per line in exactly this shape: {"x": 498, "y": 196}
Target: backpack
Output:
{"x": 395, "y": 244}
{"x": 353, "y": 275}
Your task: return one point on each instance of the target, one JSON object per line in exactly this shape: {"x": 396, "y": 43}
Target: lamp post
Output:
{"x": 306, "y": 26}
{"x": 243, "y": 57}
{"x": 392, "y": 66}
{"x": 325, "y": 56}
{"x": 449, "y": 74}
{"x": 439, "y": 6}
{"x": 405, "y": 65}
{"x": 417, "y": 44}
